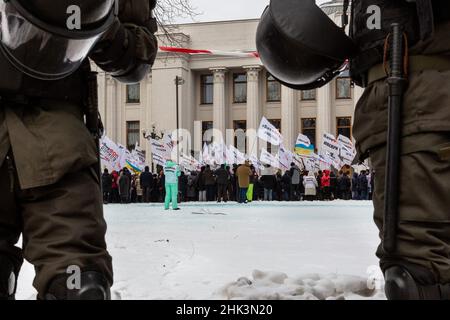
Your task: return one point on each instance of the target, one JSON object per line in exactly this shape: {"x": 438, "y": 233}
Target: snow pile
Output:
{"x": 192, "y": 253}
{"x": 278, "y": 286}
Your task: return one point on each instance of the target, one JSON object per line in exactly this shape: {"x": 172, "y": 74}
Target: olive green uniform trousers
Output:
{"x": 424, "y": 209}
{"x": 50, "y": 192}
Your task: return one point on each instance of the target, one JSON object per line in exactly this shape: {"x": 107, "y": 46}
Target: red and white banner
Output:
{"x": 238, "y": 54}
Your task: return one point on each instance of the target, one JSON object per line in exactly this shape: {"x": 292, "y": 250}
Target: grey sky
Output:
{"x": 215, "y": 10}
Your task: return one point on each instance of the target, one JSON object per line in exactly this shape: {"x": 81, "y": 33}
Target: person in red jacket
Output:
{"x": 325, "y": 182}
{"x": 115, "y": 187}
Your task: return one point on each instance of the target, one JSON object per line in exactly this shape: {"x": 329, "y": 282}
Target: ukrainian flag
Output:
{"x": 303, "y": 150}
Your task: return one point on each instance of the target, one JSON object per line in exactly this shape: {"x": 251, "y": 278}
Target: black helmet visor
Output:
{"x": 41, "y": 50}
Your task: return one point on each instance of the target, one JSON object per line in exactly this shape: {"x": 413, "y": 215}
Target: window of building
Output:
{"x": 273, "y": 89}
{"x": 240, "y": 139}
{"x": 344, "y": 127}
{"x": 207, "y": 89}
{"x": 343, "y": 88}
{"x": 134, "y": 93}
{"x": 207, "y": 125}
{"x": 240, "y": 88}
{"x": 309, "y": 129}
{"x": 309, "y": 95}
{"x": 133, "y": 134}
{"x": 270, "y": 147}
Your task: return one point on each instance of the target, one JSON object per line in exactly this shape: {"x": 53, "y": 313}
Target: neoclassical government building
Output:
{"x": 220, "y": 92}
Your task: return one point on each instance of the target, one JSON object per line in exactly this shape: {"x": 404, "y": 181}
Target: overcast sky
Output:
{"x": 214, "y": 10}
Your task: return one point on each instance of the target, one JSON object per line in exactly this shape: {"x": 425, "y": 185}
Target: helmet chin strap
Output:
{"x": 116, "y": 7}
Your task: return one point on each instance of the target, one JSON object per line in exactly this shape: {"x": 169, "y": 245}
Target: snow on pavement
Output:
{"x": 295, "y": 250}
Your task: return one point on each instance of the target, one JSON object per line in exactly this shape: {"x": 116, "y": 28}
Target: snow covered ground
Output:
{"x": 296, "y": 250}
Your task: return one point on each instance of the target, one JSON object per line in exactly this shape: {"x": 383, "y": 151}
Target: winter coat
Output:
{"x": 209, "y": 177}
{"x": 107, "y": 182}
{"x": 269, "y": 181}
{"x": 325, "y": 181}
{"x": 222, "y": 176}
{"x": 355, "y": 182}
{"x": 243, "y": 173}
{"x": 295, "y": 174}
{"x": 201, "y": 185}
{"x": 191, "y": 185}
{"x": 344, "y": 184}
{"x": 363, "y": 183}
{"x": 146, "y": 179}
{"x": 171, "y": 172}
{"x": 310, "y": 183}
{"x": 115, "y": 180}
{"x": 138, "y": 186}
{"x": 286, "y": 181}
{"x": 124, "y": 185}
{"x": 182, "y": 183}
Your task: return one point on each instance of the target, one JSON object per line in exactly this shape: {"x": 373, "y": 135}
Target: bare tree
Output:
{"x": 168, "y": 11}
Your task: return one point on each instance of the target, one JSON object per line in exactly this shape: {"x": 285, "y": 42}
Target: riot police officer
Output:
{"x": 49, "y": 129}
{"x": 304, "y": 49}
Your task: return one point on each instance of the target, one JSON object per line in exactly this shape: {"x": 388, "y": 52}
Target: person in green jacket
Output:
{"x": 171, "y": 172}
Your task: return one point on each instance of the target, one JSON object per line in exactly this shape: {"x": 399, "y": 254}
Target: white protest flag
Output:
{"x": 255, "y": 162}
{"x": 267, "y": 158}
{"x": 269, "y": 133}
{"x": 187, "y": 162}
{"x": 110, "y": 154}
{"x": 347, "y": 155}
{"x": 205, "y": 154}
{"x": 197, "y": 164}
{"x": 123, "y": 156}
{"x": 345, "y": 142}
{"x": 297, "y": 160}
{"x": 284, "y": 157}
{"x": 217, "y": 153}
{"x": 229, "y": 156}
{"x": 309, "y": 163}
{"x": 168, "y": 142}
{"x": 303, "y": 140}
{"x": 330, "y": 144}
{"x": 159, "y": 152}
{"x": 139, "y": 156}
{"x": 158, "y": 159}
{"x": 235, "y": 156}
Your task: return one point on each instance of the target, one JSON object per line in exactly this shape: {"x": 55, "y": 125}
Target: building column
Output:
{"x": 289, "y": 116}
{"x": 324, "y": 121}
{"x": 219, "y": 109}
{"x": 111, "y": 109}
{"x": 253, "y": 108}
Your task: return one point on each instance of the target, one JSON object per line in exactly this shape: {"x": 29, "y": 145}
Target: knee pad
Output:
{"x": 8, "y": 281}
{"x": 413, "y": 282}
{"x": 400, "y": 285}
{"x": 93, "y": 286}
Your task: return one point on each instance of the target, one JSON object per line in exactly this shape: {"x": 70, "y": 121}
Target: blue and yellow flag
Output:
{"x": 303, "y": 150}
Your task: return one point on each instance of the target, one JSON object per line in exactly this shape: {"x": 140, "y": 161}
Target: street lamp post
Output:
{"x": 178, "y": 82}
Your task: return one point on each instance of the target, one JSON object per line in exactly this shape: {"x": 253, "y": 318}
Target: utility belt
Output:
{"x": 417, "y": 63}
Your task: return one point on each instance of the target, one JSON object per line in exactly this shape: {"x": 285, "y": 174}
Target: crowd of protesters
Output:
{"x": 240, "y": 183}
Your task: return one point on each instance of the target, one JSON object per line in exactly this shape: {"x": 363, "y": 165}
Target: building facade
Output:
{"x": 221, "y": 93}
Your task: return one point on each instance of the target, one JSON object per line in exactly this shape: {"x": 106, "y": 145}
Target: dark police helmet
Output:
{"x": 300, "y": 45}
{"x": 49, "y": 40}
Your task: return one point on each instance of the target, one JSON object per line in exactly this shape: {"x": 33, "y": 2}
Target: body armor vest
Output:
{"x": 15, "y": 83}
{"x": 371, "y": 41}
{"x": 418, "y": 19}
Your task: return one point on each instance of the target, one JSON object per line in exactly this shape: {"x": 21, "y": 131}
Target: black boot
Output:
{"x": 413, "y": 283}
{"x": 93, "y": 287}
{"x": 8, "y": 283}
